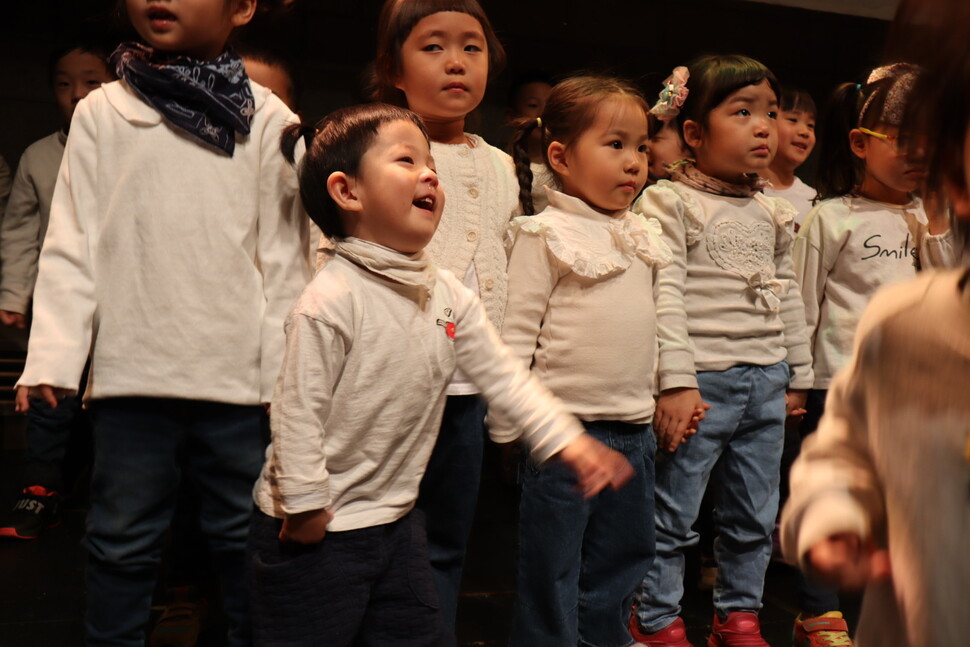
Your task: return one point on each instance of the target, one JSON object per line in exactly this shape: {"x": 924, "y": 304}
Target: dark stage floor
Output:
{"x": 42, "y": 598}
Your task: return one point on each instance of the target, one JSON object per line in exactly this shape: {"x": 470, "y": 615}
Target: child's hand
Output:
{"x": 13, "y": 319}
{"x": 305, "y": 527}
{"x": 596, "y": 465}
{"x": 52, "y": 395}
{"x": 795, "y": 400}
{"x": 848, "y": 561}
{"x": 678, "y": 416}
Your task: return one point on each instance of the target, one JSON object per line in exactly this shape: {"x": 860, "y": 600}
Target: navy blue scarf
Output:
{"x": 209, "y": 100}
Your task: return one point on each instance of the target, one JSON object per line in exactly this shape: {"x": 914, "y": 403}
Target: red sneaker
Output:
{"x": 740, "y": 629}
{"x": 673, "y": 635}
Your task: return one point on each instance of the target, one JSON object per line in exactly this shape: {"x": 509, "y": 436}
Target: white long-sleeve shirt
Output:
{"x": 171, "y": 264}
{"x": 581, "y": 311}
{"x": 891, "y": 462}
{"x": 729, "y": 296}
{"x": 24, "y": 223}
{"x": 362, "y": 389}
{"x": 848, "y": 248}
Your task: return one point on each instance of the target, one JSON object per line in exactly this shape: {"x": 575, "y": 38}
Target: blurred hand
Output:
{"x": 678, "y": 416}
{"x": 849, "y": 561}
{"x": 52, "y": 395}
{"x": 13, "y": 319}
{"x": 596, "y": 465}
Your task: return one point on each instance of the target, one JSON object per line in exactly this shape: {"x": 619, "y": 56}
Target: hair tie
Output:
{"x": 858, "y": 87}
{"x": 673, "y": 95}
{"x": 538, "y": 122}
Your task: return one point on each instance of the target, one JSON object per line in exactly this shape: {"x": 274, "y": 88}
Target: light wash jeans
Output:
{"x": 745, "y": 430}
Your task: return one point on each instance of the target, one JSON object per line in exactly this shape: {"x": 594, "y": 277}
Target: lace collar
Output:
{"x": 574, "y": 233}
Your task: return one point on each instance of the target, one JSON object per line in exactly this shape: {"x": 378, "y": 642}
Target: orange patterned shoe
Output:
{"x": 826, "y": 630}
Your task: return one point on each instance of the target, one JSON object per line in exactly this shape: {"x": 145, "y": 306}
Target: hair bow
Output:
{"x": 673, "y": 95}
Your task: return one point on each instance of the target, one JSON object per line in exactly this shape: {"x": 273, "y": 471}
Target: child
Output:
{"x": 175, "y": 247}
{"x": 732, "y": 331}
{"x": 868, "y": 233}
{"x": 337, "y": 556}
{"x": 435, "y": 57}
{"x": 879, "y": 494}
{"x": 527, "y": 100}
{"x": 666, "y": 144}
{"x": 585, "y": 264}
{"x": 272, "y": 72}
{"x": 796, "y": 139}
{"x": 76, "y": 70}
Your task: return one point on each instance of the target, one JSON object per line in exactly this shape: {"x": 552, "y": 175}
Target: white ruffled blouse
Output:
{"x": 581, "y": 308}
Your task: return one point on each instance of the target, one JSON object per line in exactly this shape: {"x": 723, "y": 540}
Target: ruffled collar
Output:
{"x": 684, "y": 171}
{"x": 573, "y": 232}
{"x": 412, "y": 270}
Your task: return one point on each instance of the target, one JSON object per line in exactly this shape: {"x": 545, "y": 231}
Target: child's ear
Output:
{"x": 343, "y": 189}
{"x": 243, "y": 12}
{"x": 693, "y": 134}
{"x": 857, "y": 142}
{"x": 556, "y": 154}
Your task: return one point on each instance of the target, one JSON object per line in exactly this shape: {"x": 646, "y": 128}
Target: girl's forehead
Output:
{"x": 450, "y": 22}
{"x": 757, "y": 91}
{"x": 615, "y": 109}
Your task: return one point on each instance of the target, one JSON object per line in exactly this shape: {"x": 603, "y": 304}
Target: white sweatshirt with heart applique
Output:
{"x": 729, "y": 297}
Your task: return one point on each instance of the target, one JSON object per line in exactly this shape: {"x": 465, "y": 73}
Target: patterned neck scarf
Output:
{"x": 685, "y": 171}
{"x": 209, "y": 100}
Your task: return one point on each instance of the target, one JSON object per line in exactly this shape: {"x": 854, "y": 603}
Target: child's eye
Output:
{"x": 94, "y": 83}
{"x": 811, "y": 126}
{"x": 617, "y": 144}
{"x": 643, "y": 148}
{"x": 743, "y": 112}
{"x": 772, "y": 114}
{"x": 433, "y": 47}
{"x": 406, "y": 160}
{"x": 472, "y": 48}
{"x": 791, "y": 120}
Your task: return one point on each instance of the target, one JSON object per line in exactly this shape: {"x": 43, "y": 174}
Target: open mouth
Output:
{"x": 799, "y": 146}
{"x": 426, "y": 203}
{"x": 160, "y": 14}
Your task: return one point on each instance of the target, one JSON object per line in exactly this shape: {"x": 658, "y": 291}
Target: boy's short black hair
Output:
{"x": 338, "y": 143}
{"x": 94, "y": 45}
{"x": 271, "y": 58}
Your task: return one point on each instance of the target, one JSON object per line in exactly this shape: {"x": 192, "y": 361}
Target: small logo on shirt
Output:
{"x": 449, "y": 326}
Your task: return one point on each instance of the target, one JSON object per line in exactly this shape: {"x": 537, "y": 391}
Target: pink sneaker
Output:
{"x": 740, "y": 629}
{"x": 673, "y": 635}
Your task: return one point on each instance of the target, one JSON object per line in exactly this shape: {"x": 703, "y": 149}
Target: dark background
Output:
{"x": 331, "y": 43}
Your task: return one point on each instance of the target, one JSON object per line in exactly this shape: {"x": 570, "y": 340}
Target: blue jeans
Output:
{"x": 745, "y": 430}
{"x": 141, "y": 446}
{"x": 449, "y": 495}
{"x": 580, "y": 560}
{"x": 48, "y": 437}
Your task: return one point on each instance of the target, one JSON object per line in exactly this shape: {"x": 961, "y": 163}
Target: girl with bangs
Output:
{"x": 732, "y": 335}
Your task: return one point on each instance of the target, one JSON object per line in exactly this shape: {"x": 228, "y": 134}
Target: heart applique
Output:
{"x": 741, "y": 248}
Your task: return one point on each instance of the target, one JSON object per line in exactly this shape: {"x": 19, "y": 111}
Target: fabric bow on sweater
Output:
{"x": 211, "y": 101}
{"x": 768, "y": 288}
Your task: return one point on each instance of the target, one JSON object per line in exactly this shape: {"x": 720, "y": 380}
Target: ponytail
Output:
{"x": 839, "y": 169}
{"x": 520, "y": 155}
{"x": 293, "y": 134}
